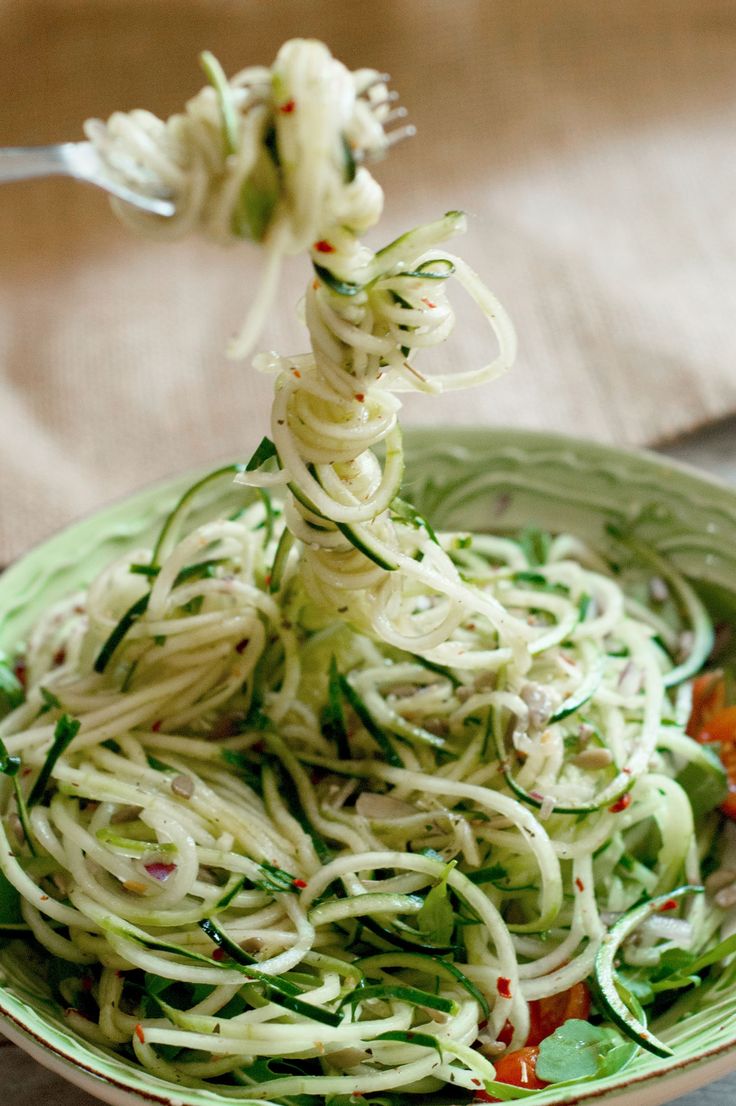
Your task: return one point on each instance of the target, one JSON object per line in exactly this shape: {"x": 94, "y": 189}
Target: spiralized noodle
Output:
{"x": 318, "y": 800}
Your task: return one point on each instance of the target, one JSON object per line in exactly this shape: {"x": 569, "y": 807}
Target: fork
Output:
{"x": 81, "y": 161}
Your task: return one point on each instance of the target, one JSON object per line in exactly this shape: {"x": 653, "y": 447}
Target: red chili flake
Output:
{"x": 87, "y": 983}
{"x": 621, "y": 804}
{"x": 160, "y": 870}
{"x": 26, "y": 772}
{"x": 267, "y": 579}
{"x": 626, "y": 771}
{"x": 324, "y": 246}
{"x": 297, "y": 374}
{"x": 360, "y": 396}
{"x": 139, "y": 1033}
{"x": 671, "y": 904}
{"x": 288, "y": 107}
{"x": 428, "y": 302}
{"x": 484, "y": 1096}
{"x": 579, "y": 884}
{"x": 21, "y": 672}
{"x": 59, "y": 657}
{"x": 300, "y": 883}
{"x": 503, "y": 986}
{"x": 156, "y": 725}
{"x": 476, "y": 1082}
{"x": 243, "y": 645}
{"x": 44, "y": 898}
{"x": 218, "y": 954}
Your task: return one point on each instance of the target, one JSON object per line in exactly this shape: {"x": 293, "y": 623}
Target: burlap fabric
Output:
{"x": 591, "y": 143}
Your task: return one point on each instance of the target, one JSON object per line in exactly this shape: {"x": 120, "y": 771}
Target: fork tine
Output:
{"x": 394, "y": 114}
{"x": 398, "y": 135}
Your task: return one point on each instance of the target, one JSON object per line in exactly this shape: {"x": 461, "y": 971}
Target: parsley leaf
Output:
{"x": 579, "y": 1050}
{"x": 436, "y": 919}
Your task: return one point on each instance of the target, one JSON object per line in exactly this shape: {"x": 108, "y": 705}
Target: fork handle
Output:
{"x": 26, "y": 162}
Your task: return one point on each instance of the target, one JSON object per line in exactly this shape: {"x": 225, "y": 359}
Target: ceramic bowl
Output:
{"x": 464, "y": 479}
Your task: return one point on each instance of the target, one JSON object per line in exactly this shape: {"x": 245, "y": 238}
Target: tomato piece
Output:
{"x": 506, "y": 1034}
{"x": 709, "y": 697}
{"x": 519, "y": 1069}
{"x": 548, "y": 1014}
{"x": 720, "y": 729}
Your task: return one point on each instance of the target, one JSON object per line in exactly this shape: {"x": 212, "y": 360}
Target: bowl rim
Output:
{"x": 422, "y": 441}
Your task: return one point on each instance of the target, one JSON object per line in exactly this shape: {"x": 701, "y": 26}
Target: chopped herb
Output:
{"x": 340, "y": 286}
{"x": 407, "y": 513}
{"x": 133, "y": 613}
{"x": 50, "y": 701}
{"x": 66, "y": 730}
{"x": 378, "y": 735}
{"x": 11, "y": 689}
{"x": 436, "y": 919}
{"x": 536, "y": 545}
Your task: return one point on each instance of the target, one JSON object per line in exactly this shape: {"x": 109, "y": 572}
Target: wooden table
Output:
{"x": 713, "y": 450}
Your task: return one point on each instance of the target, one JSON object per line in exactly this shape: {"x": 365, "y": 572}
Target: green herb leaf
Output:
{"x": 275, "y": 879}
{"x": 436, "y": 919}
{"x": 406, "y": 512}
{"x": 50, "y": 701}
{"x": 382, "y": 740}
{"x": 492, "y": 874}
{"x": 349, "y": 160}
{"x": 535, "y": 544}
{"x": 340, "y": 286}
{"x": 265, "y": 451}
{"x": 399, "y": 993}
{"x": 579, "y": 1050}
{"x": 66, "y": 730}
{"x": 11, "y": 689}
{"x": 131, "y": 615}
{"x": 333, "y": 716}
{"x": 9, "y": 766}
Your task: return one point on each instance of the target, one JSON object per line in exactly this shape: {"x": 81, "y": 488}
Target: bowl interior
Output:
{"x": 471, "y": 479}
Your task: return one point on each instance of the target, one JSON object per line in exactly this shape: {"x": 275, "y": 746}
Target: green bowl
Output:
{"x": 465, "y": 479}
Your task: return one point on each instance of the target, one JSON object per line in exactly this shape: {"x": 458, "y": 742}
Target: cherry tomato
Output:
{"x": 548, "y": 1014}
{"x": 709, "y": 698}
{"x": 721, "y": 729}
{"x": 506, "y": 1034}
{"x": 519, "y": 1069}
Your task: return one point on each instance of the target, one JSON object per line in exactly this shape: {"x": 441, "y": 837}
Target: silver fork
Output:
{"x": 81, "y": 161}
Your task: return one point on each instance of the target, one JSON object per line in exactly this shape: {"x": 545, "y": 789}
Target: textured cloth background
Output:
{"x": 592, "y": 144}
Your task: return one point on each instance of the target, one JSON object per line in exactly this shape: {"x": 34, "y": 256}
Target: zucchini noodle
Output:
{"x": 309, "y": 800}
